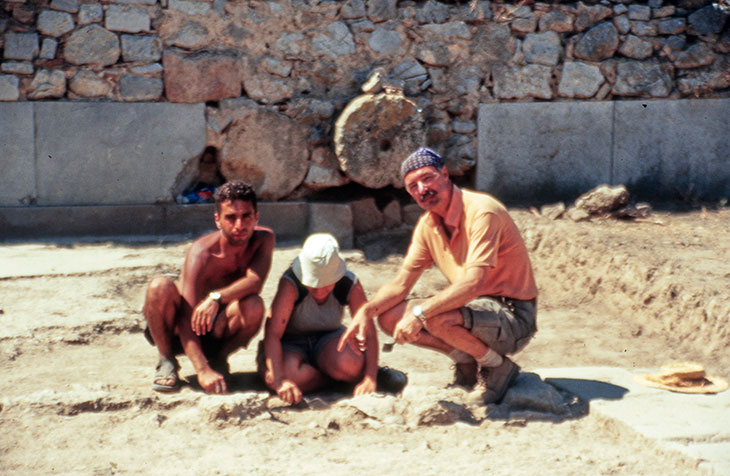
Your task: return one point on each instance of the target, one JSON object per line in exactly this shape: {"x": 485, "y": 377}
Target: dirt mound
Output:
{"x": 669, "y": 276}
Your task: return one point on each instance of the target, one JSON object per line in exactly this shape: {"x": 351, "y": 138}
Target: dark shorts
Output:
{"x": 503, "y": 324}
{"x": 211, "y": 346}
{"x": 309, "y": 345}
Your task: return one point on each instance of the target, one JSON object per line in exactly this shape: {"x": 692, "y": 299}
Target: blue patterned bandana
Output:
{"x": 423, "y": 157}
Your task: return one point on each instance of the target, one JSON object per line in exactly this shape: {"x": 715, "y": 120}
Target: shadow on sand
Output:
{"x": 589, "y": 389}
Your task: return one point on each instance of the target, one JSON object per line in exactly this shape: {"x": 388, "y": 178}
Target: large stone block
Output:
{"x": 92, "y": 45}
{"x": 202, "y": 77}
{"x": 542, "y": 48}
{"x": 289, "y": 220}
{"x": 112, "y": 153}
{"x": 139, "y": 88}
{"x": 20, "y": 46}
{"x": 86, "y": 83}
{"x": 580, "y": 80}
{"x": 48, "y": 83}
{"x": 70, "y": 6}
{"x": 532, "y": 80}
{"x": 141, "y": 48}
{"x": 600, "y": 42}
{"x": 673, "y": 148}
{"x": 130, "y": 20}
{"x": 17, "y": 180}
{"x": 90, "y": 13}
{"x": 334, "y": 218}
{"x": 540, "y": 151}
{"x": 337, "y": 41}
{"x": 642, "y": 78}
{"x": 9, "y": 90}
{"x": 40, "y": 222}
{"x": 55, "y": 23}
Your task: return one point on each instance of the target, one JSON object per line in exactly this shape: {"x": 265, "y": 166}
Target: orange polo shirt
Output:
{"x": 485, "y": 236}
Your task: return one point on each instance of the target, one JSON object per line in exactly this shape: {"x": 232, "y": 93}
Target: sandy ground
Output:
{"x": 75, "y": 394}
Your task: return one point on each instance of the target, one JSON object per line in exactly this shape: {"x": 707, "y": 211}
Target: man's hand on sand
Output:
{"x": 354, "y": 334}
{"x": 407, "y": 329}
{"x": 289, "y": 392}
{"x": 212, "y": 382}
{"x": 204, "y": 316}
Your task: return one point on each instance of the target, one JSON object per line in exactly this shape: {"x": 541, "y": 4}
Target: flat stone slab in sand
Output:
{"x": 696, "y": 425}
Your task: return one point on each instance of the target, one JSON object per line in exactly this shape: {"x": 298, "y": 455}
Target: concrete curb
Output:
{"x": 695, "y": 425}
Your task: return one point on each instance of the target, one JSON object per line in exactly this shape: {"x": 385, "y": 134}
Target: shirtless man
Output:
{"x": 488, "y": 310}
{"x": 215, "y": 307}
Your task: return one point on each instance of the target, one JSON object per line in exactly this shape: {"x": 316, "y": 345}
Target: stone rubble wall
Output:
{"x": 274, "y": 75}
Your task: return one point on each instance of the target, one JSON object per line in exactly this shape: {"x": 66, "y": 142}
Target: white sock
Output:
{"x": 490, "y": 359}
{"x": 460, "y": 357}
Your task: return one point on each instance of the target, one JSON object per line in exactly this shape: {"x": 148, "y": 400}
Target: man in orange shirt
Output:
{"x": 488, "y": 310}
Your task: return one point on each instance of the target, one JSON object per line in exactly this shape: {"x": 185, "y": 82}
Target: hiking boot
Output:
{"x": 496, "y": 380}
{"x": 465, "y": 375}
{"x": 391, "y": 380}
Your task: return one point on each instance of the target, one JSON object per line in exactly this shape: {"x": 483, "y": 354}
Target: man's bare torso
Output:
{"x": 219, "y": 269}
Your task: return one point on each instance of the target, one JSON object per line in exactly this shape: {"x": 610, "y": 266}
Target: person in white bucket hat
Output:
{"x": 299, "y": 351}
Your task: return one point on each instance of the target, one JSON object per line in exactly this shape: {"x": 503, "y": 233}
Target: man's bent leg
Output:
{"x": 506, "y": 326}
{"x": 242, "y": 322}
{"x": 160, "y": 310}
{"x": 446, "y": 333}
{"x": 345, "y": 366}
{"x": 389, "y": 319}
{"x": 449, "y": 327}
{"x": 305, "y": 376}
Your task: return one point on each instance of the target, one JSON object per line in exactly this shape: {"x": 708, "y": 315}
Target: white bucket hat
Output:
{"x": 319, "y": 264}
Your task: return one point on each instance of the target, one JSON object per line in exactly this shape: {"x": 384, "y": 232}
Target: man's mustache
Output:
{"x": 427, "y": 194}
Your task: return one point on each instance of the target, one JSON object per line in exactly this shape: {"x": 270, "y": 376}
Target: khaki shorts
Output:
{"x": 494, "y": 322}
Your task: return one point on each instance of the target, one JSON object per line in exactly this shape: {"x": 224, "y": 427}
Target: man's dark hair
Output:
{"x": 234, "y": 190}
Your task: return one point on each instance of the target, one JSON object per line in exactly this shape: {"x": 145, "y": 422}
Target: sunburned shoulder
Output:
{"x": 263, "y": 233}
{"x": 205, "y": 243}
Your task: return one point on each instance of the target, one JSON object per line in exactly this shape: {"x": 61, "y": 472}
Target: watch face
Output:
{"x": 417, "y": 311}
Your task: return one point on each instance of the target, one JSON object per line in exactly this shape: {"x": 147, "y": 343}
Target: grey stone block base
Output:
{"x": 291, "y": 221}
{"x": 660, "y": 149}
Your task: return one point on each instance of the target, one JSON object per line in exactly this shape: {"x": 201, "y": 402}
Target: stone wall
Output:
{"x": 274, "y": 75}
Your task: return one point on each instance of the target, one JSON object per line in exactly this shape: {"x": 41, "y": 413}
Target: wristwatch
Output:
{"x": 418, "y": 312}
{"x": 215, "y": 296}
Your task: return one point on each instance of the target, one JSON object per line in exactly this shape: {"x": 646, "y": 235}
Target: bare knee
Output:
{"x": 161, "y": 300}
{"x": 388, "y": 320}
{"x": 160, "y": 288}
{"x": 244, "y": 316}
{"x": 251, "y": 311}
{"x": 347, "y": 367}
{"x": 443, "y": 324}
{"x": 436, "y": 327}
